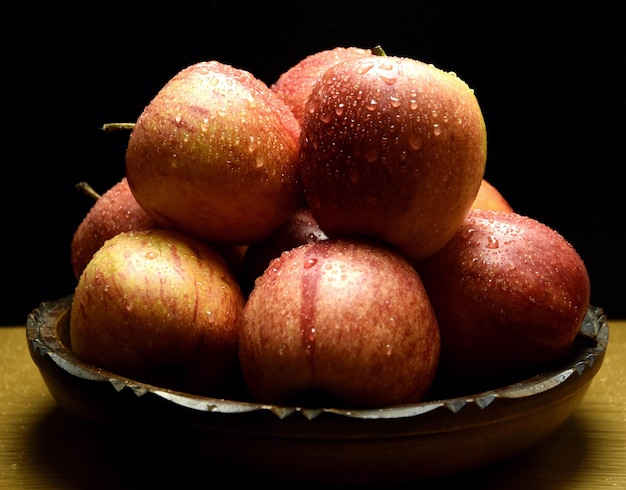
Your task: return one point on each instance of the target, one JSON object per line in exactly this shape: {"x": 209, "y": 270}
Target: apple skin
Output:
{"x": 113, "y": 212}
{"x": 509, "y": 294}
{"x": 489, "y": 197}
{"x": 215, "y": 155}
{"x": 299, "y": 229}
{"x": 294, "y": 85}
{"x": 343, "y": 322}
{"x": 159, "y": 306}
{"x": 392, "y": 148}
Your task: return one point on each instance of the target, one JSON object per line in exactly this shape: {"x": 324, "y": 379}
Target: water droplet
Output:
{"x": 363, "y": 68}
{"x": 310, "y": 263}
{"x": 178, "y": 118}
{"x": 313, "y": 104}
{"x": 325, "y": 117}
{"x": 415, "y": 141}
{"x": 467, "y": 233}
{"x": 252, "y": 144}
{"x": 339, "y": 109}
{"x": 395, "y": 101}
{"x": 151, "y": 255}
{"x": 389, "y": 79}
{"x": 413, "y": 104}
{"x": 436, "y": 129}
{"x": 492, "y": 242}
{"x": 371, "y": 105}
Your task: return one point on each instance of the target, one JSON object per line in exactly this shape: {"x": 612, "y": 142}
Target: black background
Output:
{"x": 548, "y": 75}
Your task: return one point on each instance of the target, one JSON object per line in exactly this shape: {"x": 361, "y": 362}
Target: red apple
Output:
{"x": 489, "y": 197}
{"x": 392, "y": 148}
{"x": 509, "y": 293}
{"x": 113, "y": 212}
{"x": 158, "y": 306}
{"x": 215, "y": 155}
{"x": 295, "y": 85}
{"x": 299, "y": 229}
{"x": 339, "y": 321}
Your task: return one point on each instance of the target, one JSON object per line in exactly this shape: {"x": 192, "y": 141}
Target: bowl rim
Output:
{"x": 42, "y": 329}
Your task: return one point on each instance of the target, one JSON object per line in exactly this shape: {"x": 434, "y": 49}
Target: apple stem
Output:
{"x": 88, "y": 190}
{"x": 108, "y": 127}
{"x": 378, "y": 50}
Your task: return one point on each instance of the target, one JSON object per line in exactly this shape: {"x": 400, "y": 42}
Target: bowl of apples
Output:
{"x": 440, "y": 436}
{"x": 313, "y": 281}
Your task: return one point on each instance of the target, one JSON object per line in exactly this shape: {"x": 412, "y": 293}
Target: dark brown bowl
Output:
{"x": 328, "y": 445}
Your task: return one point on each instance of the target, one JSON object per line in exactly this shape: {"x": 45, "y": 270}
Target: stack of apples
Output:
{"x": 327, "y": 239}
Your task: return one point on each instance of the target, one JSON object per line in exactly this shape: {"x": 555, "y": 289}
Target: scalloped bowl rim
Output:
{"x": 44, "y": 340}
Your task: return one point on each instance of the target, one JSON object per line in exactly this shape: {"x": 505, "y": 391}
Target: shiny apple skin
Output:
{"x": 509, "y": 293}
{"x": 339, "y": 321}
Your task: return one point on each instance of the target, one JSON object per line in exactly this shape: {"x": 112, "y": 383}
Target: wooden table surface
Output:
{"x": 42, "y": 446}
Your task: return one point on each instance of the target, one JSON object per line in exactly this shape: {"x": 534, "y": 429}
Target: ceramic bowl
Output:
{"x": 325, "y": 445}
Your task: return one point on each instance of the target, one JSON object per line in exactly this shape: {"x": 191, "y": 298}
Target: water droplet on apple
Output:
{"x": 389, "y": 79}
{"x": 325, "y": 117}
{"x": 415, "y": 141}
{"x": 363, "y": 68}
{"x": 492, "y": 242}
{"x": 371, "y": 105}
{"x": 436, "y": 129}
{"x": 313, "y": 104}
{"x": 252, "y": 144}
{"x": 310, "y": 263}
{"x": 339, "y": 109}
{"x": 467, "y": 233}
{"x": 394, "y": 101}
{"x": 151, "y": 255}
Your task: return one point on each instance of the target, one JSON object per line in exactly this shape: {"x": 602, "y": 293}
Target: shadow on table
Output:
{"x": 77, "y": 454}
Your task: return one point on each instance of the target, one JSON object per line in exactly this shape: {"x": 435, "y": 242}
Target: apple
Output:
{"x": 299, "y": 229}
{"x": 509, "y": 293}
{"x": 392, "y": 148}
{"x": 215, "y": 155}
{"x": 113, "y": 212}
{"x": 294, "y": 85}
{"x": 489, "y": 197}
{"x": 339, "y": 321}
{"x": 161, "y": 307}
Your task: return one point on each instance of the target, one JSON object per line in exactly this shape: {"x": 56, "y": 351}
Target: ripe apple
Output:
{"x": 489, "y": 197}
{"x": 159, "y": 306}
{"x": 294, "y": 85}
{"x": 215, "y": 155}
{"x": 392, "y": 148}
{"x": 509, "y": 294}
{"x": 339, "y": 321}
{"x": 113, "y": 212}
{"x": 299, "y": 229}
